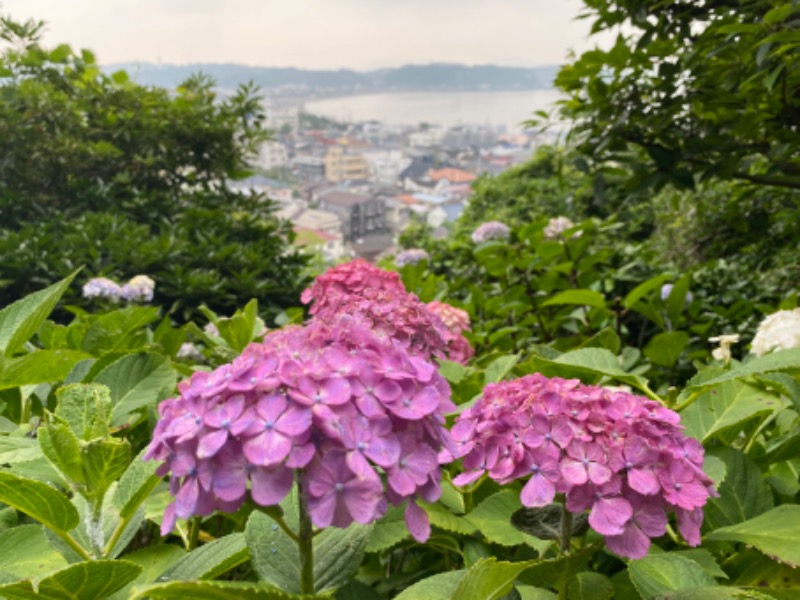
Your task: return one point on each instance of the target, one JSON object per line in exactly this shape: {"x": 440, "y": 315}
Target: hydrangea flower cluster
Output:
{"x": 353, "y": 415}
{"x": 619, "y": 455}
{"x": 102, "y": 287}
{"x": 725, "y": 342}
{"x": 138, "y": 289}
{"x": 412, "y": 256}
{"x": 456, "y": 321}
{"x": 491, "y": 230}
{"x": 557, "y": 226}
{"x": 357, "y": 287}
{"x": 779, "y": 331}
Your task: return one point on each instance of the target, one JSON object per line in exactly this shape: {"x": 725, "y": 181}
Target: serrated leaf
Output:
{"x": 14, "y": 449}
{"x": 136, "y": 381}
{"x": 727, "y": 405}
{"x": 90, "y": 580}
{"x": 437, "y": 587}
{"x": 492, "y": 517}
{"x": 20, "y": 320}
{"x": 210, "y": 560}
{"x": 388, "y": 531}
{"x": 659, "y": 574}
{"x": 85, "y": 407}
{"x": 62, "y": 448}
{"x": 135, "y": 485}
{"x": 775, "y": 361}
{"x": 590, "y": 586}
{"x": 104, "y": 461}
{"x": 665, "y": 348}
{"x": 775, "y": 533}
{"x": 488, "y": 579}
{"x": 556, "y": 572}
{"x": 41, "y": 366}
{"x": 154, "y": 560}
{"x": 442, "y": 518}
{"x": 211, "y": 590}
{"x": 25, "y": 553}
{"x": 38, "y": 500}
{"x": 499, "y": 368}
{"x": 113, "y": 331}
{"x": 743, "y": 494}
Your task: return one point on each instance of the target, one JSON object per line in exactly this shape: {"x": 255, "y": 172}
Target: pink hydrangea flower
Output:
{"x": 457, "y": 321}
{"x": 357, "y": 287}
{"x": 620, "y": 456}
{"x": 349, "y": 414}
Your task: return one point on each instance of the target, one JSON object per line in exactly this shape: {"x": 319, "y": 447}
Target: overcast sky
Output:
{"x": 359, "y": 34}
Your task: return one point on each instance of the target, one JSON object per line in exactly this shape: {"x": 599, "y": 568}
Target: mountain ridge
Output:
{"x": 433, "y": 76}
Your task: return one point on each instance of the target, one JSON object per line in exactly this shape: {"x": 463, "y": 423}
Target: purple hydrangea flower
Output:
{"x": 491, "y": 230}
{"x": 138, "y": 289}
{"x": 412, "y": 256}
{"x": 350, "y": 415}
{"x": 620, "y": 456}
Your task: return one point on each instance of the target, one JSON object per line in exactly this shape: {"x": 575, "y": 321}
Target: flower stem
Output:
{"x": 305, "y": 545}
{"x": 566, "y": 530}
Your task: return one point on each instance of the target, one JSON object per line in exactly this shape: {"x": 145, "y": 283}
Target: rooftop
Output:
{"x": 341, "y": 198}
{"x": 452, "y": 175}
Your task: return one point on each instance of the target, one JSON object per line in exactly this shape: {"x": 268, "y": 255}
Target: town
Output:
{"x": 350, "y": 189}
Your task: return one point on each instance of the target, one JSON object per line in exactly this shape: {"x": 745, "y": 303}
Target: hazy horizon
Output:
{"x": 361, "y": 35}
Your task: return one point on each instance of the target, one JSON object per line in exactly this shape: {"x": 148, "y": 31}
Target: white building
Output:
{"x": 272, "y": 155}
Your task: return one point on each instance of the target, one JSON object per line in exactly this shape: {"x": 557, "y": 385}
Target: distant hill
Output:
{"x": 405, "y": 78}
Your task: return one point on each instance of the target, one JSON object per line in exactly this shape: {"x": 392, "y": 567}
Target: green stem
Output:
{"x": 286, "y": 529}
{"x": 760, "y": 428}
{"x": 115, "y": 535}
{"x": 194, "y": 532}
{"x": 694, "y": 396}
{"x": 305, "y": 545}
{"x": 72, "y": 543}
{"x": 566, "y": 530}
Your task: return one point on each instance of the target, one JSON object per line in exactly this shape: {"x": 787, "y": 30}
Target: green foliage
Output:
{"x": 124, "y": 179}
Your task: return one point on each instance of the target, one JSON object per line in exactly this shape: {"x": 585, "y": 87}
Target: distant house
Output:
{"x": 330, "y": 245}
{"x": 452, "y": 175}
{"x": 275, "y": 190}
{"x": 342, "y": 164}
{"x": 309, "y": 168}
{"x": 272, "y": 155}
{"x": 361, "y": 215}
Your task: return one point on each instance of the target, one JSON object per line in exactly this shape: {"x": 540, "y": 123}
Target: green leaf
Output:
{"x": 20, "y": 320}
{"x": 528, "y": 592}
{"x": 114, "y": 331}
{"x": 154, "y": 560}
{"x": 581, "y": 297}
{"x": 38, "y": 500}
{"x": 210, "y": 560}
{"x": 590, "y": 586}
{"x": 62, "y": 448}
{"x": 136, "y": 381}
{"x": 18, "y": 449}
{"x": 275, "y": 557}
{"x": 452, "y": 371}
{"x": 725, "y": 406}
{"x": 665, "y": 348}
{"x": 705, "y": 559}
{"x": 104, "y": 461}
{"x": 592, "y": 362}
{"x": 135, "y": 485}
{"x": 658, "y": 574}
{"x": 557, "y": 572}
{"x": 86, "y": 408}
{"x": 641, "y": 290}
{"x": 500, "y": 367}
{"x": 488, "y": 579}
{"x": 606, "y": 338}
{"x": 775, "y": 361}
{"x": 25, "y": 553}
{"x": 492, "y": 517}
{"x": 775, "y": 533}
{"x": 744, "y": 493}
{"x": 39, "y": 367}
{"x": 388, "y": 531}
{"x": 438, "y": 587}
{"x": 90, "y": 580}
{"x": 210, "y": 590}
{"x": 442, "y": 518}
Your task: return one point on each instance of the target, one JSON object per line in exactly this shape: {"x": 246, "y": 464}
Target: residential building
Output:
{"x": 272, "y": 155}
{"x": 344, "y": 165}
{"x": 309, "y": 168}
{"x": 361, "y": 215}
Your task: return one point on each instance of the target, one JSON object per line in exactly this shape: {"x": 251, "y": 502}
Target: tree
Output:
{"x": 97, "y": 170}
{"x": 691, "y": 90}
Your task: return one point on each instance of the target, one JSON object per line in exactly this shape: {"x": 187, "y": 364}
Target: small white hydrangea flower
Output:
{"x": 102, "y": 287}
{"x": 725, "y": 342}
{"x": 190, "y": 351}
{"x": 779, "y": 331}
{"x": 139, "y": 289}
{"x": 558, "y": 225}
{"x": 491, "y": 230}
